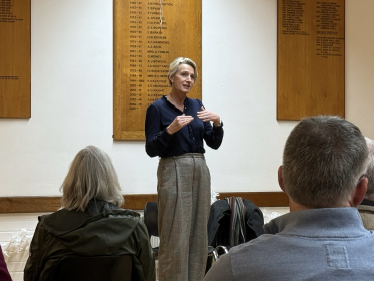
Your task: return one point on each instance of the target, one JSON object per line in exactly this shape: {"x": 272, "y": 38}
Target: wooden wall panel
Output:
{"x": 143, "y": 50}
{"x": 310, "y": 66}
{"x": 132, "y": 201}
{"x": 15, "y": 58}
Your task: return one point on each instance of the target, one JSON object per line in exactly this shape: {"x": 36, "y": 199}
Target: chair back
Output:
{"x": 227, "y": 220}
{"x": 97, "y": 268}
{"x": 151, "y": 218}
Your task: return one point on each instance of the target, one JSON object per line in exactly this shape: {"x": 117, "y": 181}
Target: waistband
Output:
{"x": 186, "y": 155}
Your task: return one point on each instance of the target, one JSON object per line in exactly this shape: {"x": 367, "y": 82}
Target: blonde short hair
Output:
{"x": 173, "y": 67}
{"x": 91, "y": 176}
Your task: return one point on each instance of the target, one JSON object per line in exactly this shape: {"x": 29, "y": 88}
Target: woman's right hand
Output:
{"x": 178, "y": 123}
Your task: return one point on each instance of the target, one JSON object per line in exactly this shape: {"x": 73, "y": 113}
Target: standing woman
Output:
{"x": 176, "y": 127}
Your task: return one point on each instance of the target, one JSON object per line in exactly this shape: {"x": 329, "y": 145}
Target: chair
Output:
{"x": 234, "y": 223}
{"x": 97, "y": 268}
{"x": 151, "y": 222}
{"x": 212, "y": 258}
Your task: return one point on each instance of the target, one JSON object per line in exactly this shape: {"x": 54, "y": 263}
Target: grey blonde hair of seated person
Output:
{"x": 91, "y": 176}
{"x": 370, "y": 170}
{"x": 323, "y": 160}
{"x": 173, "y": 67}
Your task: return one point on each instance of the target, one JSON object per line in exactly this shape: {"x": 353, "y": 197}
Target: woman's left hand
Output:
{"x": 206, "y": 116}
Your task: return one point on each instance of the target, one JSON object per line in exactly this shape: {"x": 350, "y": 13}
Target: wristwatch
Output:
{"x": 220, "y": 124}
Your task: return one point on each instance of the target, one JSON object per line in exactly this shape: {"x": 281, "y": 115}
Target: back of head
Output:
{"x": 91, "y": 176}
{"x": 323, "y": 160}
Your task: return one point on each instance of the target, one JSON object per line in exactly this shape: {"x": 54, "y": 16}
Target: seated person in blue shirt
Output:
{"x": 91, "y": 222}
{"x": 322, "y": 238}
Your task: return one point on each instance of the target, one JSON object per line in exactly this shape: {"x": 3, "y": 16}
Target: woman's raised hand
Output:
{"x": 178, "y": 123}
{"x": 206, "y": 116}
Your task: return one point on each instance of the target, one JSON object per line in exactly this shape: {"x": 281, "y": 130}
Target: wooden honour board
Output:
{"x": 143, "y": 50}
{"x": 15, "y": 58}
{"x": 310, "y": 63}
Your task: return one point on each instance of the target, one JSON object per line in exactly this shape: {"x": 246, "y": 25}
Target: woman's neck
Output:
{"x": 177, "y": 99}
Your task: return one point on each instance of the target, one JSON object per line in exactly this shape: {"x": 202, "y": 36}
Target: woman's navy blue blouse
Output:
{"x": 161, "y": 113}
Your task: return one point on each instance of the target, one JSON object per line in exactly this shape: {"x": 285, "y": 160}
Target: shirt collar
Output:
{"x": 328, "y": 222}
{"x": 173, "y": 106}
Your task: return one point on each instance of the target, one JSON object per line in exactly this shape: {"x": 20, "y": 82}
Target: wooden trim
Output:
{"x": 29, "y": 204}
{"x": 261, "y": 199}
{"x": 138, "y": 201}
{"x": 132, "y": 201}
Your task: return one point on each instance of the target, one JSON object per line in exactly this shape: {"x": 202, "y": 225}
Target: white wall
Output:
{"x": 359, "y": 66}
{"x": 72, "y": 95}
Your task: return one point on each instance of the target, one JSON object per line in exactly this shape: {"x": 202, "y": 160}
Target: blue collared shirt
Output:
{"x": 190, "y": 139}
{"x": 315, "y": 244}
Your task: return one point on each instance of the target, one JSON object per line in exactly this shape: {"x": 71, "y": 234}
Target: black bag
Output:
{"x": 220, "y": 222}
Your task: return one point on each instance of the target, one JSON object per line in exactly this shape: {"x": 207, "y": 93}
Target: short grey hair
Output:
{"x": 174, "y": 66}
{"x": 323, "y": 160}
{"x": 91, "y": 176}
{"x": 370, "y": 169}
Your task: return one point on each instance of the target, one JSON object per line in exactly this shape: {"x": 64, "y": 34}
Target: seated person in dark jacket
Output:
{"x": 91, "y": 222}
